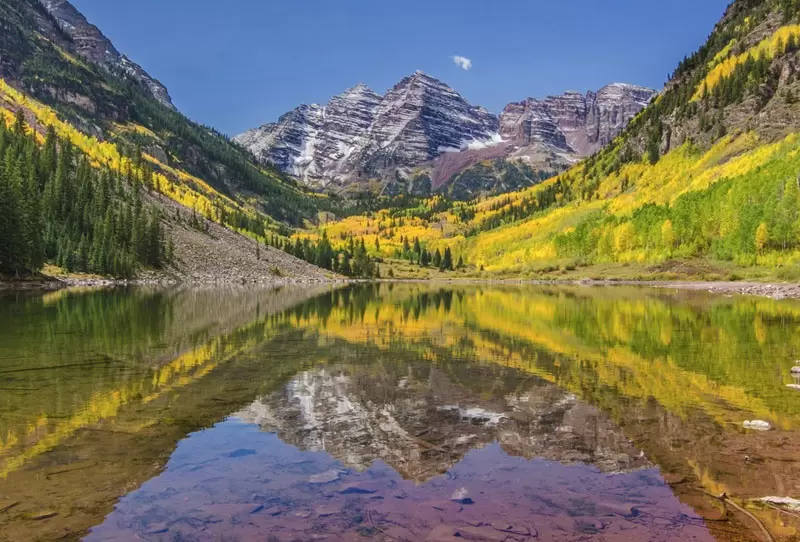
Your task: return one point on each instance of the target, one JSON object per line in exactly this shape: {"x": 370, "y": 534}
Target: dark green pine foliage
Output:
{"x": 437, "y": 259}
{"x": 351, "y": 261}
{"x": 447, "y": 260}
{"x": 54, "y": 206}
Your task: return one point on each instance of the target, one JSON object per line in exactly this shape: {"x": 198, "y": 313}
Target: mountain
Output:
{"x": 422, "y": 127}
{"x": 360, "y": 135}
{"x": 91, "y": 44}
{"x": 574, "y": 123}
{"x": 702, "y": 183}
{"x": 541, "y": 138}
{"x": 313, "y": 141}
{"x": 130, "y": 187}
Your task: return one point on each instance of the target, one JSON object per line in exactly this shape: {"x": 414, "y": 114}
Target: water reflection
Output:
{"x": 571, "y": 412}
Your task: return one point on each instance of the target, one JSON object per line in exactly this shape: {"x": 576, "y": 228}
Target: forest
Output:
{"x": 55, "y": 206}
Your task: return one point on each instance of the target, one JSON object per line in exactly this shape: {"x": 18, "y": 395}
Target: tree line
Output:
{"x": 417, "y": 254}
{"x": 55, "y": 206}
{"x": 352, "y": 260}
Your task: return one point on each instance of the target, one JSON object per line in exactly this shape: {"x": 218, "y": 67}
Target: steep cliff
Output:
{"x": 93, "y": 45}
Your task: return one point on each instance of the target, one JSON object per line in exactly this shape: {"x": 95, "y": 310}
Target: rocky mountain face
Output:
{"x": 316, "y": 143}
{"x": 93, "y": 45}
{"x": 362, "y": 135}
{"x": 421, "y": 421}
{"x": 576, "y": 124}
{"x": 424, "y": 127}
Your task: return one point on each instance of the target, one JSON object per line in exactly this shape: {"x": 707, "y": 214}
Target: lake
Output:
{"x": 397, "y": 411}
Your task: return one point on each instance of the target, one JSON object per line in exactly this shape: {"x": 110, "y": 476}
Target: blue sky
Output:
{"x": 239, "y": 63}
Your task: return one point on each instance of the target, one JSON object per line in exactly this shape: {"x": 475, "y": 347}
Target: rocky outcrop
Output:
{"x": 317, "y": 143}
{"x": 93, "y": 45}
{"x": 419, "y": 119}
{"x": 422, "y": 123}
{"x": 572, "y": 123}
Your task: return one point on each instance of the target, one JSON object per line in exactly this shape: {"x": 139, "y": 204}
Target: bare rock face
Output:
{"x": 360, "y": 135}
{"x": 316, "y": 143}
{"x": 423, "y": 124}
{"x": 93, "y": 45}
{"x": 419, "y": 119}
{"x": 575, "y": 124}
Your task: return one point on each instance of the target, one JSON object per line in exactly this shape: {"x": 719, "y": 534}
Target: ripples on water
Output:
{"x": 395, "y": 412}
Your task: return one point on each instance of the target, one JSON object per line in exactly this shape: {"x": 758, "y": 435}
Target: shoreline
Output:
{"x": 771, "y": 290}
{"x": 53, "y": 283}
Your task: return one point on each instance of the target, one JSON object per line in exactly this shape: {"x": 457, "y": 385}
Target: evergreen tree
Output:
{"x": 55, "y": 205}
{"x": 437, "y": 259}
{"x": 425, "y": 258}
{"x": 447, "y": 260}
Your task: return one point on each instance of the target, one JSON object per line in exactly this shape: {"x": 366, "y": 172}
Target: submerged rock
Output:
{"x": 325, "y": 477}
{"x": 788, "y": 502}
{"x": 355, "y": 489}
{"x": 758, "y": 425}
{"x": 461, "y": 496}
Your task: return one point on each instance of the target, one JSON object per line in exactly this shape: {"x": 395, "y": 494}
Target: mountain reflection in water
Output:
{"x": 405, "y": 412}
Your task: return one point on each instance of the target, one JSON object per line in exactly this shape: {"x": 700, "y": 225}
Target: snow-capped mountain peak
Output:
{"x": 360, "y": 135}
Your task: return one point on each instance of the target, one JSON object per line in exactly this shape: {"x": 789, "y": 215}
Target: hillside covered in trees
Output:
{"x": 54, "y": 206}
{"x": 708, "y": 172}
{"x": 96, "y": 172}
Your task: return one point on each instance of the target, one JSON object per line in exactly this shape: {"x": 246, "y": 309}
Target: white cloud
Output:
{"x": 463, "y": 62}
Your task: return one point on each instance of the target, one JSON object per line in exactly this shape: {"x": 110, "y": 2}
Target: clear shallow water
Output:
{"x": 395, "y": 412}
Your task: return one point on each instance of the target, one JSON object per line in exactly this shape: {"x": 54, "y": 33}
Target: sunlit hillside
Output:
{"x": 708, "y": 172}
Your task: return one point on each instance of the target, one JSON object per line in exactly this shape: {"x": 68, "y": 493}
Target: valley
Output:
{"x": 454, "y": 303}
{"x": 698, "y": 182}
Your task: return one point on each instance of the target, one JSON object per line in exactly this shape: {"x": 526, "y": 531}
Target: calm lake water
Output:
{"x": 396, "y": 412}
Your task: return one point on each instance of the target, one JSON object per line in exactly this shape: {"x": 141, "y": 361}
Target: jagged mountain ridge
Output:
{"x": 360, "y": 135}
{"x": 93, "y": 45}
{"x": 573, "y": 122}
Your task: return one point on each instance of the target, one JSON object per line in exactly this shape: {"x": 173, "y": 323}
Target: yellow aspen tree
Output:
{"x": 762, "y": 237}
{"x": 668, "y": 235}
{"x": 623, "y": 238}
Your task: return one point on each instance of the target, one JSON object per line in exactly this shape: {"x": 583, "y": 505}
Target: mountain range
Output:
{"x": 422, "y": 133}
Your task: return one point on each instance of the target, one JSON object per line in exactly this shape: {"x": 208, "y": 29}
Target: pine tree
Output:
{"x": 437, "y": 259}
{"x": 425, "y": 258}
{"x": 447, "y": 260}
{"x": 345, "y": 268}
{"x": 13, "y": 247}
{"x": 33, "y": 223}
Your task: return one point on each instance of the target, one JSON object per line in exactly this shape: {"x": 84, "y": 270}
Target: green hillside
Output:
{"x": 707, "y": 173}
